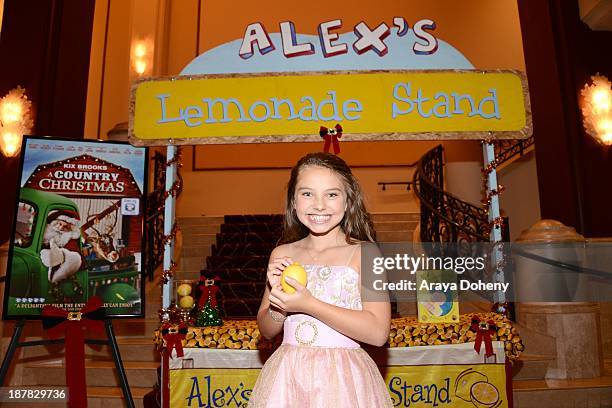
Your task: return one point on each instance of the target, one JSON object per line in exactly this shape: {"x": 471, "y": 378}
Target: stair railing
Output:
{"x": 154, "y": 220}
{"x": 444, "y": 217}
{"x": 507, "y": 151}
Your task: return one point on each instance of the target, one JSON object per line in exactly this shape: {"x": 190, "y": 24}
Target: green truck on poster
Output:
{"x": 55, "y": 261}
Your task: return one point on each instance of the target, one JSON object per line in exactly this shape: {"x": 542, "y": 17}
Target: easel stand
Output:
{"x": 110, "y": 341}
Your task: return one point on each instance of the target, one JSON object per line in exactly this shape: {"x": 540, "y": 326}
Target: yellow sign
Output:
{"x": 479, "y": 385}
{"x": 436, "y": 298}
{"x": 211, "y": 387}
{"x": 482, "y": 385}
{"x": 393, "y": 105}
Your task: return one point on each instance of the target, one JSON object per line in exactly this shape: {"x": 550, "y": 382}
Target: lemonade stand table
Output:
{"x": 428, "y": 376}
{"x": 436, "y": 375}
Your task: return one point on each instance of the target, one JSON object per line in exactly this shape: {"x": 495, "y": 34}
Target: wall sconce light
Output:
{"x": 597, "y": 109}
{"x": 15, "y": 120}
{"x": 142, "y": 57}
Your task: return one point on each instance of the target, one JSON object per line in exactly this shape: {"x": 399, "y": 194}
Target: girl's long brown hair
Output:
{"x": 356, "y": 224}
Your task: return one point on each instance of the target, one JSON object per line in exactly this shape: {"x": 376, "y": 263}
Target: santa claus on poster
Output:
{"x": 61, "y": 245}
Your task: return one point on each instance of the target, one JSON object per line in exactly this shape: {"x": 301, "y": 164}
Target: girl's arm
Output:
{"x": 270, "y": 319}
{"x": 268, "y": 327}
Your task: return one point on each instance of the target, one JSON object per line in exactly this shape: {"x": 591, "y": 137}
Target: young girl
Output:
{"x": 320, "y": 362}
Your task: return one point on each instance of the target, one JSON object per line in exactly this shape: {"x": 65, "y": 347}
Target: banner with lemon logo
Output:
{"x": 481, "y": 386}
{"x": 425, "y": 376}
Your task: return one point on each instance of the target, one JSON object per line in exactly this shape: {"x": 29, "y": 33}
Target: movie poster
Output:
{"x": 78, "y": 228}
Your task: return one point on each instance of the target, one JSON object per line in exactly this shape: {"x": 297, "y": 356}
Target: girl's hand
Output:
{"x": 276, "y": 268}
{"x": 297, "y": 302}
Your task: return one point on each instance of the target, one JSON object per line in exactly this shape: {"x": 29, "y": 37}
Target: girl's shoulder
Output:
{"x": 282, "y": 250}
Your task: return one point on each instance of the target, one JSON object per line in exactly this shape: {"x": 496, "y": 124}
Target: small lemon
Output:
{"x": 186, "y": 302}
{"x": 295, "y": 271}
{"x": 184, "y": 289}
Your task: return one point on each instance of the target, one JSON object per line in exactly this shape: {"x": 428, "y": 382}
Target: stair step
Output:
{"x": 594, "y": 392}
{"x": 381, "y": 226}
{"x": 251, "y": 237}
{"x": 201, "y": 220}
{"x": 238, "y": 274}
{"x": 202, "y": 250}
{"x": 136, "y": 327}
{"x": 255, "y": 218}
{"x": 189, "y": 230}
{"x": 275, "y": 227}
{"x": 191, "y": 263}
{"x": 376, "y": 217}
{"x": 213, "y": 262}
{"x": 130, "y": 348}
{"x": 531, "y": 367}
{"x": 240, "y": 308}
{"x": 187, "y": 275}
{"x": 99, "y": 373}
{"x": 200, "y": 239}
{"x": 259, "y": 248}
{"x": 394, "y": 236}
{"x": 241, "y": 290}
{"x": 112, "y": 397}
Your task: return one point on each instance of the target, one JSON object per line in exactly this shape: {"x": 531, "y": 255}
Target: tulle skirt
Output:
{"x": 319, "y": 377}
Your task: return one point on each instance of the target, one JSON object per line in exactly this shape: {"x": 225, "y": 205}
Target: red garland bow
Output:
{"x": 484, "y": 332}
{"x": 331, "y": 136}
{"x": 72, "y": 325}
{"x": 209, "y": 289}
{"x": 173, "y": 335}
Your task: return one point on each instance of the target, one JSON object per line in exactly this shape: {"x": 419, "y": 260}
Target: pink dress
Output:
{"x": 316, "y": 366}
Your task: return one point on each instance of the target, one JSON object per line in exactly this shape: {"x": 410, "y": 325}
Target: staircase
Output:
{"x": 237, "y": 248}
{"x": 200, "y": 233}
{"x": 532, "y": 389}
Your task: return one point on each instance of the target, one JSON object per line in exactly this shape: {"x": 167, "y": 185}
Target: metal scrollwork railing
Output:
{"x": 444, "y": 217}
{"x": 154, "y": 222}
{"x": 506, "y": 150}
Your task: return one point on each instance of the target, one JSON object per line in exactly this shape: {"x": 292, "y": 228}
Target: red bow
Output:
{"x": 209, "y": 291}
{"x": 484, "y": 332}
{"x": 72, "y": 325}
{"x": 331, "y": 136}
{"x": 173, "y": 336}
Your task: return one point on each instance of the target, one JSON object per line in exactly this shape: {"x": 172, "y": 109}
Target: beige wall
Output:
{"x": 521, "y": 200}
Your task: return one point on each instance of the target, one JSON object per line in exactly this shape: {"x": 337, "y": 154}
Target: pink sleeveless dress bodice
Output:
{"x": 316, "y": 366}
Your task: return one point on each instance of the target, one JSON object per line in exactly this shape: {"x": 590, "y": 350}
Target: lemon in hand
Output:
{"x": 295, "y": 271}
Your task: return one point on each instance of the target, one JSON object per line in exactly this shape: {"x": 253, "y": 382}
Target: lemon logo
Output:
{"x": 296, "y": 272}
{"x": 464, "y": 382}
{"x": 473, "y": 386}
{"x": 484, "y": 395}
